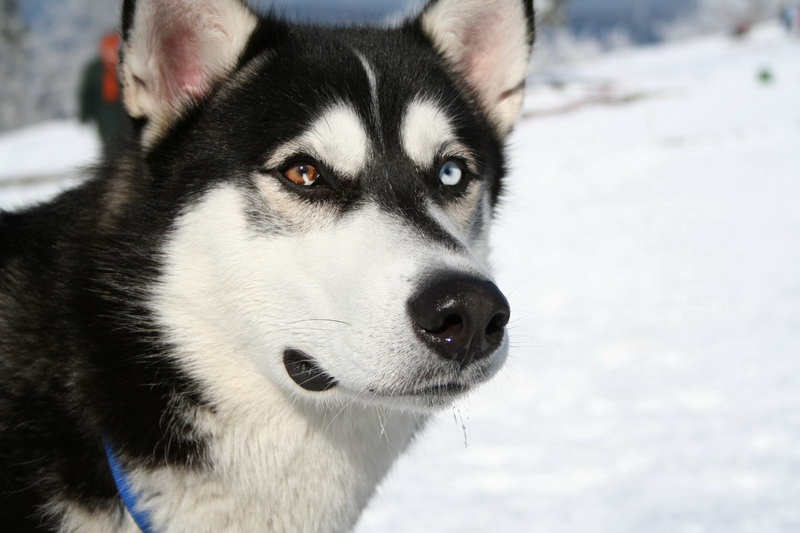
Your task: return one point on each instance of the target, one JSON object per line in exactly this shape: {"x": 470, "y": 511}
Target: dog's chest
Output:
{"x": 311, "y": 475}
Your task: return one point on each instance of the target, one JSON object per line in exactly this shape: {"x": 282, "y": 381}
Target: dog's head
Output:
{"x": 336, "y": 189}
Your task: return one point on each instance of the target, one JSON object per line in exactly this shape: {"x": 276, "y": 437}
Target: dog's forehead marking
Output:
{"x": 337, "y": 138}
{"x": 425, "y": 129}
{"x": 372, "y": 78}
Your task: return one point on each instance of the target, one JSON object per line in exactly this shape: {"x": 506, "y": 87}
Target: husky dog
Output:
{"x": 241, "y": 321}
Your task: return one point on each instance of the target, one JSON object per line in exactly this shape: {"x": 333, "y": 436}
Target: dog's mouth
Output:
{"x": 305, "y": 371}
{"x": 443, "y": 390}
{"x": 424, "y": 398}
{"x": 309, "y": 375}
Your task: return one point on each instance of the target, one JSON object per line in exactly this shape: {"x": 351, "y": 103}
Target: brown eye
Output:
{"x": 301, "y": 174}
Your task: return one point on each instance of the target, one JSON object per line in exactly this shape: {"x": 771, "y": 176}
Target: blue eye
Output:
{"x": 451, "y": 174}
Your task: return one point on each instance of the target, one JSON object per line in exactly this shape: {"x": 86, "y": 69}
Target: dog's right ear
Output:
{"x": 488, "y": 44}
{"x": 175, "y": 51}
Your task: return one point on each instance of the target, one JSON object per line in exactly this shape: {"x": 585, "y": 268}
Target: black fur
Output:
{"x": 80, "y": 356}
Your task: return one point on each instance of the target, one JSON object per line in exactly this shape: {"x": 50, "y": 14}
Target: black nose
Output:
{"x": 460, "y": 318}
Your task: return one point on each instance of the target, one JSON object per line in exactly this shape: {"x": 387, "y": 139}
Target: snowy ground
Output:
{"x": 650, "y": 244}
{"x": 42, "y": 159}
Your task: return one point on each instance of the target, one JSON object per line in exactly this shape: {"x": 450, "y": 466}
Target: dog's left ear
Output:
{"x": 488, "y": 43}
{"x": 175, "y": 51}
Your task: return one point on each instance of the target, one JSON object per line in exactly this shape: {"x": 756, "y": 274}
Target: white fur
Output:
{"x": 459, "y": 216}
{"x": 78, "y": 519}
{"x": 278, "y": 468}
{"x": 427, "y": 133}
{"x": 372, "y": 78}
{"x": 337, "y": 138}
{"x": 487, "y": 42}
{"x": 425, "y": 129}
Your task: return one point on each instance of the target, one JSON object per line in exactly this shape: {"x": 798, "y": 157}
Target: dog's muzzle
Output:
{"x": 461, "y": 318}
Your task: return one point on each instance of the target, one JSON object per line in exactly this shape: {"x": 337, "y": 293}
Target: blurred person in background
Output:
{"x": 100, "y": 100}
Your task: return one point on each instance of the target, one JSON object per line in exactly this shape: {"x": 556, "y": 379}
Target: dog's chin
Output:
{"x": 424, "y": 397}
{"x": 423, "y": 400}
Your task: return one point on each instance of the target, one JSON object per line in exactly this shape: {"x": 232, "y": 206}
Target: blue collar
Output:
{"x": 129, "y": 496}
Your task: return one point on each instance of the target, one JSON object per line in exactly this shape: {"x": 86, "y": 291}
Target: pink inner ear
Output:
{"x": 483, "y": 46}
{"x": 183, "y": 71}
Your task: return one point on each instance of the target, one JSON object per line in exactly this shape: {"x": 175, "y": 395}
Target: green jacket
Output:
{"x": 94, "y": 108}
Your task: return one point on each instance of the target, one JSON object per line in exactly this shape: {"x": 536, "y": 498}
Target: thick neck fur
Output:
{"x": 279, "y": 468}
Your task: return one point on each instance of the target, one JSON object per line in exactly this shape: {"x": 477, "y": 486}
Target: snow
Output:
{"x": 40, "y": 160}
{"x": 650, "y": 247}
